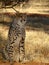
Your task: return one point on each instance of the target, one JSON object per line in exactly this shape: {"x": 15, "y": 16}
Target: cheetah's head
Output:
{"x": 22, "y": 18}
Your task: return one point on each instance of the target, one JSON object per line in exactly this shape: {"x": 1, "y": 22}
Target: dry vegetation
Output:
{"x": 37, "y": 39}
{"x": 36, "y": 44}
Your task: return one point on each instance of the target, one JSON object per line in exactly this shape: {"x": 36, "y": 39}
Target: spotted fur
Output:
{"x": 15, "y": 50}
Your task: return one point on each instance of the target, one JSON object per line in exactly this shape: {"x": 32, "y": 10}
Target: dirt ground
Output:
{"x": 29, "y": 63}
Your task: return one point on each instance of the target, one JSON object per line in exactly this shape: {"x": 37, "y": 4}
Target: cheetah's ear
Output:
{"x": 24, "y": 16}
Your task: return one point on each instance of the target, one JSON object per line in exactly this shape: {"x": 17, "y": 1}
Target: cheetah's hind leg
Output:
{"x": 5, "y": 55}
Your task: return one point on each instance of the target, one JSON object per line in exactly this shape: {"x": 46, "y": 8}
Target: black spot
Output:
{"x": 21, "y": 20}
{"x": 12, "y": 42}
{"x": 24, "y": 19}
{"x": 11, "y": 46}
{"x": 22, "y": 39}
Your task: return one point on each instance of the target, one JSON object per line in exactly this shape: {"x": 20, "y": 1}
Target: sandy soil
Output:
{"x": 29, "y": 63}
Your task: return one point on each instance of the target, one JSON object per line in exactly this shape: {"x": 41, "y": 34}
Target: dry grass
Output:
{"x": 36, "y": 44}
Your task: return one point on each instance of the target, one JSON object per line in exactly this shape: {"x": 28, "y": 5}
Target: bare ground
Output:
{"x": 29, "y": 63}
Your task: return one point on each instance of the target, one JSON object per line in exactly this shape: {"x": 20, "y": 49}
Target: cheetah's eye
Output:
{"x": 24, "y": 19}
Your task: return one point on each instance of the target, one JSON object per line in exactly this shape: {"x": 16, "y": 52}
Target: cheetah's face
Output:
{"x": 22, "y": 20}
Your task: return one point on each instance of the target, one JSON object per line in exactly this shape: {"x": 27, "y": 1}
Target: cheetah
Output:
{"x": 14, "y": 49}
